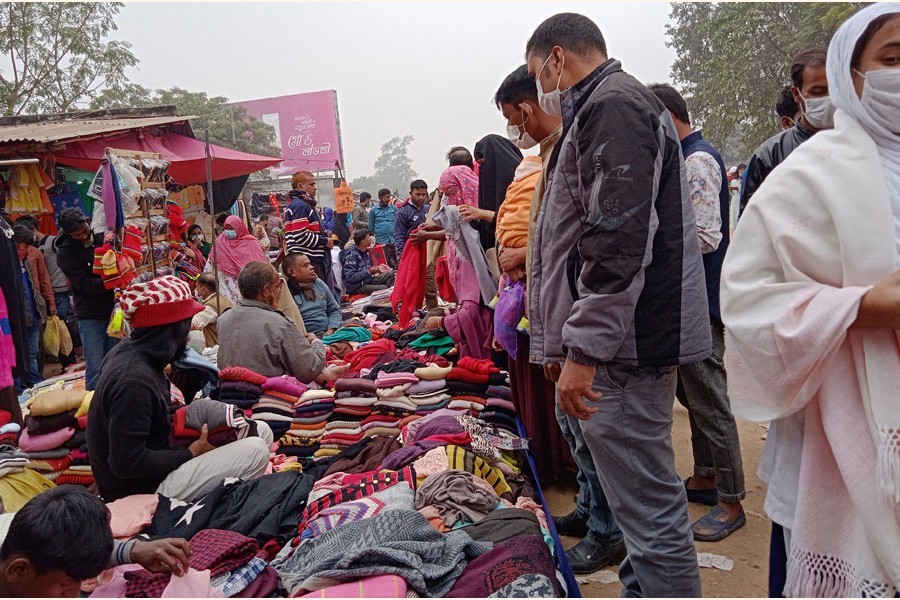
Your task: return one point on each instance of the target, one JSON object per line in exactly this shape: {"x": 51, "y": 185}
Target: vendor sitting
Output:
{"x": 214, "y": 304}
{"x": 256, "y": 335}
{"x": 62, "y": 537}
{"x": 359, "y": 274}
{"x": 321, "y": 312}
{"x": 128, "y": 422}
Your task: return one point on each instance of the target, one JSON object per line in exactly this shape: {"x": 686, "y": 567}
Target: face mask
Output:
{"x": 819, "y": 112}
{"x": 550, "y": 102}
{"x": 881, "y": 97}
{"x": 525, "y": 141}
{"x": 231, "y": 234}
{"x": 198, "y": 237}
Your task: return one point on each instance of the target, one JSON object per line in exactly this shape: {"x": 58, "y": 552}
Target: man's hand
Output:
{"x": 516, "y": 275}
{"x": 311, "y": 337}
{"x": 201, "y": 445}
{"x": 552, "y": 371}
{"x": 420, "y": 237}
{"x": 162, "y": 556}
{"x": 374, "y": 270}
{"x": 331, "y": 373}
{"x": 329, "y": 244}
{"x": 329, "y": 331}
{"x": 574, "y": 386}
{"x": 880, "y": 306}
{"x": 511, "y": 258}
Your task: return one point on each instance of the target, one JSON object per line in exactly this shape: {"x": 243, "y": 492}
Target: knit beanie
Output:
{"x": 158, "y": 302}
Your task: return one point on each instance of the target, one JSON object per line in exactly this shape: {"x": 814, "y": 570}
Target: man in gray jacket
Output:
{"x": 256, "y": 335}
{"x": 617, "y": 292}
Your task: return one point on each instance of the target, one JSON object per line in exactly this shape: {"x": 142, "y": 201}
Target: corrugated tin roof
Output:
{"x": 57, "y": 131}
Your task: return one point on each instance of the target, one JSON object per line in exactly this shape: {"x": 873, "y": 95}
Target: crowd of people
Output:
{"x": 621, "y": 266}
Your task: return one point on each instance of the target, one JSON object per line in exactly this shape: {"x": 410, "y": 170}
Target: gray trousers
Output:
{"x": 630, "y": 438}
{"x": 702, "y": 389}
{"x": 243, "y": 459}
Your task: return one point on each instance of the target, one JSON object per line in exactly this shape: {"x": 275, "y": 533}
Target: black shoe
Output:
{"x": 707, "y": 497}
{"x": 591, "y": 555}
{"x": 573, "y": 524}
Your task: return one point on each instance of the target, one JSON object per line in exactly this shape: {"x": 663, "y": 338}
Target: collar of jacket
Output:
{"x": 257, "y": 304}
{"x": 690, "y": 139}
{"x": 582, "y": 90}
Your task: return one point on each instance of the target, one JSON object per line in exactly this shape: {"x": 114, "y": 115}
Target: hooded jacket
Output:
{"x": 92, "y": 299}
{"x": 128, "y": 422}
{"x": 617, "y": 273}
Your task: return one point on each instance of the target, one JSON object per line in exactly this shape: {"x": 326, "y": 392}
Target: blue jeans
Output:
{"x": 96, "y": 345}
{"x": 591, "y": 503}
{"x": 32, "y": 349}
{"x": 63, "y": 308}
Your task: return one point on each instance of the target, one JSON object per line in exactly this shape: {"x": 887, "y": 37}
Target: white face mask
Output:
{"x": 819, "y": 112}
{"x": 523, "y": 140}
{"x": 550, "y": 102}
{"x": 881, "y": 97}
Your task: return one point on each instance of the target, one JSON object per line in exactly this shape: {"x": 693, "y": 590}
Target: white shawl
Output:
{"x": 817, "y": 235}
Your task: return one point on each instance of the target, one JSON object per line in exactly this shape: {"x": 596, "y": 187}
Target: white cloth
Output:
{"x": 818, "y": 234}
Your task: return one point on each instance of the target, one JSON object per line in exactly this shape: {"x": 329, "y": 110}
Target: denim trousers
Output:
{"x": 96, "y": 345}
{"x": 32, "y": 375}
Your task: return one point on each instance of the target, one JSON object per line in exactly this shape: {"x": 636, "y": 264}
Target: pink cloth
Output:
{"x": 47, "y": 441}
{"x": 380, "y": 586}
{"x": 113, "y": 582}
{"x": 386, "y": 380}
{"x": 460, "y": 185}
{"x": 230, "y": 256}
{"x": 193, "y": 584}
{"x": 285, "y": 385}
{"x": 7, "y": 349}
{"x": 472, "y": 325}
{"x": 131, "y": 515}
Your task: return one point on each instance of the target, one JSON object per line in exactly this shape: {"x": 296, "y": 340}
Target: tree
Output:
{"x": 57, "y": 55}
{"x": 734, "y": 58}
{"x": 228, "y": 124}
{"x": 393, "y": 169}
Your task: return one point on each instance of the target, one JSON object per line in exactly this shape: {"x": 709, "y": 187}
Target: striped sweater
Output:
{"x": 302, "y": 230}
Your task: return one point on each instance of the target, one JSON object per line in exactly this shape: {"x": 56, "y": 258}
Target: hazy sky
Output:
{"x": 425, "y": 69}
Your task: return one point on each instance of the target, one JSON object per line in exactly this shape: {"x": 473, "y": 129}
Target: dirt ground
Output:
{"x": 748, "y": 547}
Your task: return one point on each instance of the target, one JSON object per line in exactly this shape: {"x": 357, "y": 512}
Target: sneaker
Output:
{"x": 590, "y": 555}
{"x": 715, "y": 526}
{"x": 572, "y": 524}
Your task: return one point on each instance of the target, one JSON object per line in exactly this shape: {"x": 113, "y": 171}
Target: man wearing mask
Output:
{"x": 93, "y": 302}
{"x": 382, "y": 218}
{"x": 592, "y": 518}
{"x": 810, "y": 92}
{"x": 617, "y": 296}
{"x": 303, "y": 230}
{"x": 128, "y": 421}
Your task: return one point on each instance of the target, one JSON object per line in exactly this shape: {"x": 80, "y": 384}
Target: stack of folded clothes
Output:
{"x": 499, "y": 409}
{"x": 429, "y": 396}
{"x": 55, "y": 438}
{"x": 276, "y": 404}
{"x": 9, "y": 431}
{"x": 391, "y": 391}
{"x": 310, "y": 414}
{"x": 239, "y": 386}
{"x": 225, "y": 423}
{"x": 12, "y": 460}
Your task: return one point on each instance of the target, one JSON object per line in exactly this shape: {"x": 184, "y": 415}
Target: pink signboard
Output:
{"x": 306, "y": 128}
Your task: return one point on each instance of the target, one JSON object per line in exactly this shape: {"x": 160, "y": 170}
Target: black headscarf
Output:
{"x": 501, "y": 159}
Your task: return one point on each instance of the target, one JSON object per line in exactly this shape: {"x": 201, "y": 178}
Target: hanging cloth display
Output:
{"x": 112, "y": 201}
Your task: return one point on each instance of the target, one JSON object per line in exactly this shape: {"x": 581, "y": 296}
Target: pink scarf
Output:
{"x": 460, "y": 185}
{"x": 230, "y": 256}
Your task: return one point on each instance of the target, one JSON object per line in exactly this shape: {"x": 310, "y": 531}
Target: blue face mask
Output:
{"x": 231, "y": 234}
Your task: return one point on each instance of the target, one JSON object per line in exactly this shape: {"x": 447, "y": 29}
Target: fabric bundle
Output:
{"x": 225, "y": 423}
{"x": 54, "y": 437}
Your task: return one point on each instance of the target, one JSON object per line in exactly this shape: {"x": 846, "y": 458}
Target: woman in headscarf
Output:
{"x": 498, "y": 159}
{"x": 811, "y": 306}
{"x": 233, "y": 249}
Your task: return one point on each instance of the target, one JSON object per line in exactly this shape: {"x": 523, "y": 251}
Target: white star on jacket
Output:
{"x": 189, "y": 514}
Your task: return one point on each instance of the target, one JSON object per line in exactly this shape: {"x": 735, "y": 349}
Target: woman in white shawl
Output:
{"x": 811, "y": 305}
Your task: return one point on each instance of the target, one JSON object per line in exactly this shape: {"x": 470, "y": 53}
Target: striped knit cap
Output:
{"x": 157, "y": 302}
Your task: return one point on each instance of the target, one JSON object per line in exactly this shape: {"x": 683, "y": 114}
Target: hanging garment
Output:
{"x": 28, "y": 190}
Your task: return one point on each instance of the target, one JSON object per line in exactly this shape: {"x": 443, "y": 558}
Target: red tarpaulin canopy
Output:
{"x": 186, "y": 155}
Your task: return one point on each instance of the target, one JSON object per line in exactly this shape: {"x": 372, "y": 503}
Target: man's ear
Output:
{"x": 20, "y": 570}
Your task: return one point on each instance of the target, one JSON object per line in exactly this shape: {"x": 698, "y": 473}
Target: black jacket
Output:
{"x": 769, "y": 155}
{"x": 92, "y": 299}
{"x": 128, "y": 422}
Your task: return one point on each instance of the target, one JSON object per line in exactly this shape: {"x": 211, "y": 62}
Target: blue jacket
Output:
{"x": 381, "y": 221}
{"x": 320, "y": 314}
{"x": 408, "y": 218}
{"x": 355, "y": 267}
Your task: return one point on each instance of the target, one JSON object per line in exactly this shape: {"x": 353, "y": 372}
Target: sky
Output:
{"x": 425, "y": 69}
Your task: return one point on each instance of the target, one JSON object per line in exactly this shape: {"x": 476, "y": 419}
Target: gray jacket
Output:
{"x": 260, "y": 338}
{"x": 617, "y": 273}
{"x": 57, "y": 277}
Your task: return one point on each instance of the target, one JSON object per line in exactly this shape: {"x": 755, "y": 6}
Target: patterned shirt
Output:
{"x": 705, "y": 183}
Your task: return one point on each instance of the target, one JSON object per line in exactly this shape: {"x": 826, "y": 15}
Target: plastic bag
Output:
{"x": 51, "y": 337}
{"x": 508, "y": 312}
{"x": 65, "y": 339}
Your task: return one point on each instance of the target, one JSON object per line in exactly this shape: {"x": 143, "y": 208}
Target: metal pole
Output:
{"x": 212, "y": 209}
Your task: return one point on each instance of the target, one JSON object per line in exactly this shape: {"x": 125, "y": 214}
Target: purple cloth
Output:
{"x": 508, "y": 312}
{"x": 520, "y": 556}
{"x": 440, "y": 425}
{"x": 400, "y": 458}
{"x": 472, "y": 325}
{"x": 366, "y": 386}
{"x": 427, "y": 387}
{"x": 285, "y": 385}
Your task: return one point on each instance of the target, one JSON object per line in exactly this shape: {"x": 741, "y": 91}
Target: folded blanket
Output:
{"x": 240, "y": 387}
{"x": 241, "y": 374}
{"x": 388, "y": 380}
{"x": 43, "y": 425}
{"x": 433, "y": 372}
{"x": 310, "y": 395}
{"x": 500, "y": 391}
{"x": 428, "y": 386}
{"x": 348, "y": 334}
{"x": 54, "y": 402}
{"x": 37, "y": 443}
{"x": 458, "y": 374}
{"x": 355, "y": 385}
{"x": 285, "y": 385}
{"x": 50, "y": 465}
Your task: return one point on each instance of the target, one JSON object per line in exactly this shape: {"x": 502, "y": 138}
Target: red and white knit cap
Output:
{"x": 160, "y": 301}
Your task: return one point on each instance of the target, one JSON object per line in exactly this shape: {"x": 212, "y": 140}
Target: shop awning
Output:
{"x": 186, "y": 155}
